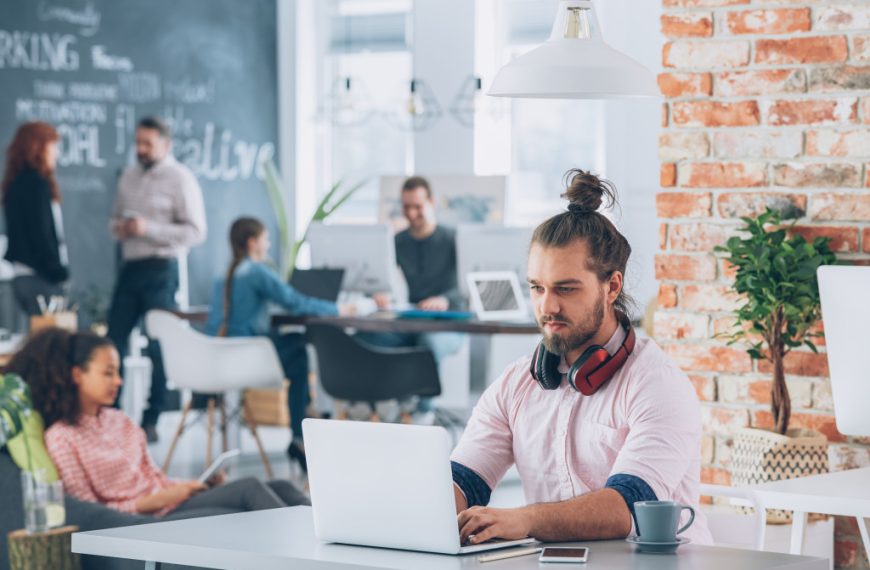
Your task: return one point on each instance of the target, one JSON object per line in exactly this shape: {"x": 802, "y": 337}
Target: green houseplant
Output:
{"x": 15, "y": 408}
{"x": 776, "y": 280}
{"x": 338, "y": 194}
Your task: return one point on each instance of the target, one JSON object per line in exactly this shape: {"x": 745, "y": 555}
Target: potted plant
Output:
{"x": 15, "y": 408}
{"x": 333, "y": 199}
{"x": 776, "y": 278}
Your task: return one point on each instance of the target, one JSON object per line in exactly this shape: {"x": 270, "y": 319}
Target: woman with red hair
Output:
{"x": 34, "y": 226}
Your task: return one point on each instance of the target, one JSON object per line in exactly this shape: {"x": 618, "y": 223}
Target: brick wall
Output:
{"x": 767, "y": 102}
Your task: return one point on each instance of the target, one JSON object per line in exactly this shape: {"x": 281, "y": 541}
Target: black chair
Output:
{"x": 354, "y": 371}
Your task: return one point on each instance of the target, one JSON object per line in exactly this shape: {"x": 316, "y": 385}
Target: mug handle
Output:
{"x": 691, "y": 518}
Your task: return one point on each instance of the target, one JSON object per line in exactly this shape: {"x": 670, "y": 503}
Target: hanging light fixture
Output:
{"x": 348, "y": 103}
{"x": 574, "y": 63}
{"x": 419, "y": 110}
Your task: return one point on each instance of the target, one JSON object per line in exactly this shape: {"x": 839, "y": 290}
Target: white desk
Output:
{"x": 284, "y": 538}
{"x": 845, "y": 493}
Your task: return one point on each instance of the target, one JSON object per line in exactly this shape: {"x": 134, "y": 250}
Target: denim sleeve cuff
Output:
{"x": 475, "y": 489}
{"x": 632, "y": 489}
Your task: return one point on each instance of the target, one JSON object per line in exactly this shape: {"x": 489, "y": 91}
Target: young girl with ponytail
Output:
{"x": 101, "y": 455}
{"x": 239, "y": 308}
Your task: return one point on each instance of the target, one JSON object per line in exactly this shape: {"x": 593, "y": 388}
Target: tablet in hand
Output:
{"x": 216, "y": 464}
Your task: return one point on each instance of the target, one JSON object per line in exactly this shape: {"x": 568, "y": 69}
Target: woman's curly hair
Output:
{"x": 46, "y": 361}
{"x": 27, "y": 151}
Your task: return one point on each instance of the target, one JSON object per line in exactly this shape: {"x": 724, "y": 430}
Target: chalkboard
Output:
{"x": 92, "y": 68}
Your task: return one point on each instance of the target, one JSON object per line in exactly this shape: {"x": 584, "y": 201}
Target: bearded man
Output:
{"x": 597, "y": 418}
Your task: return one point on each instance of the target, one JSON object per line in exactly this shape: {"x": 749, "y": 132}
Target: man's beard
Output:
{"x": 577, "y": 336}
{"x": 145, "y": 161}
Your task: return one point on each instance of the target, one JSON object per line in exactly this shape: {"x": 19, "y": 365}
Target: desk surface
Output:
{"x": 284, "y": 538}
{"x": 845, "y": 493}
{"x": 385, "y": 322}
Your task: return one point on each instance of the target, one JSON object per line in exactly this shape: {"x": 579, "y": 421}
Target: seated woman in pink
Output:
{"x": 100, "y": 453}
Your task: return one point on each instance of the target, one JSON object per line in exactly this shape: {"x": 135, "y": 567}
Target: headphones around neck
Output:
{"x": 591, "y": 371}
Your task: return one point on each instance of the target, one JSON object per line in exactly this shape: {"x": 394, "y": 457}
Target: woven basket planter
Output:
{"x": 760, "y": 456}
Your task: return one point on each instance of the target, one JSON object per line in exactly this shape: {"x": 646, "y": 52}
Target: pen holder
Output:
{"x": 62, "y": 320}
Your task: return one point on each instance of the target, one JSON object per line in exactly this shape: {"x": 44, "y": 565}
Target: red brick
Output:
{"x": 701, "y": 237}
{"x": 839, "y": 78}
{"x": 680, "y": 145}
{"x": 846, "y": 526}
{"x": 820, "y": 422}
{"x": 800, "y": 364}
{"x": 705, "y": 387}
{"x": 865, "y": 239}
{"x": 861, "y": 48}
{"x": 722, "y": 175}
{"x": 667, "y": 296}
{"x": 686, "y": 84}
{"x": 683, "y": 205}
{"x": 679, "y": 326}
{"x": 758, "y": 144}
{"x": 843, "y": 239}
{"x": 708, "y": 298}
{"x": 665, "y": 115}
{"x": 843, "y": 17}
{"x": 705, "y": 358}
{"x": 663, "y": 236}
{"x": 715, "y": 476}
{"x": 743, "y": 390}
{"x": 832, "y": 206}
{"x": 715, "y": 114}
{"x": 701, "y": 3}
{"x": 741, "y": 204}
{"x": 668, "y": 175}
{"x": 676, "y": 267}
{"x": 818, "y": 49}
{"x": 865, "y": 110}
{"x": 723, "y": 421}
{"x": 782, "y": 21}
{"x": 846, "y": 552}
{"x": 826, "y": 111}
{"x": 765, "y": 82}
{"x": 687, "y": 24}
{"x": 817, "y": 175}
{"x": 828, "y": 142}
{"x": 692, "y": 54}
{"x": 728, "y": 270}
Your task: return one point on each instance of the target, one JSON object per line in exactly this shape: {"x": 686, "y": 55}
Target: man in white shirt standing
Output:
{"x": 158, "y": 216}
{"x": 597, "y": 419}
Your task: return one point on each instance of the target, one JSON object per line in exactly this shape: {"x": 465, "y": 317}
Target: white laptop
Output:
{"x": 386, "y": 485}
{"x": 496, "y": 296}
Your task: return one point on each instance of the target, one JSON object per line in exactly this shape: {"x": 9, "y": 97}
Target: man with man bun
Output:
{"x": 597, "y": 418}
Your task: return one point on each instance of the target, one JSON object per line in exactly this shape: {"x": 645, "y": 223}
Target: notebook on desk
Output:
{"x": 386, "y": 485}
{"x": 434, "y": 315}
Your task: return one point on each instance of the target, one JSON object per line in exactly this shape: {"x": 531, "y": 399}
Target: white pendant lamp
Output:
{"x": 574, "y": 63}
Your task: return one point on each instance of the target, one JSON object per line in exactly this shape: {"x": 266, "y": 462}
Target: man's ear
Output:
{"x": 614, "y": 286}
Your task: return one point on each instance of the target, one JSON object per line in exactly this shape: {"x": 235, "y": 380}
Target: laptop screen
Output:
{"x": 496, "y": 294}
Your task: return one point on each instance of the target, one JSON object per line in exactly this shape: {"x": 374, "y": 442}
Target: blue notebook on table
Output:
{"x": 442, "y": 315}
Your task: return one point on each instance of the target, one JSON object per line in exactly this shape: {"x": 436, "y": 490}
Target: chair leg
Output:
{"x": 178, "y": 432}
{"x": 252, "y": 425}
{"x": 209, "y": 446}
{"x": 224, "y": 440}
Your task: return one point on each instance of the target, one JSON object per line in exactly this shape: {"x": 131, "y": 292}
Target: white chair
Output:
{"x": 211, "y": 365}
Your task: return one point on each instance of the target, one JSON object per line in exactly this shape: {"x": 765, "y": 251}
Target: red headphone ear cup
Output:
{"x": 591, "y": 359}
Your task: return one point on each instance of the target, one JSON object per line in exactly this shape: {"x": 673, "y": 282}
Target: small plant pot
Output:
{"x": 760, "y": 456}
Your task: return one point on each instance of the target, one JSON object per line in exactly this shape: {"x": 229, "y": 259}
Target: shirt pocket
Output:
{"x": 598, "y": 445}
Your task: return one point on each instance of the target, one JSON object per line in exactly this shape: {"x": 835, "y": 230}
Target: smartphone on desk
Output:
{"x": 564, "y": 554}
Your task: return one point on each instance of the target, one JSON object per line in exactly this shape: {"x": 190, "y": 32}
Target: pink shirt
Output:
{"x": 104, "y": 459}
{"x": 645, "y": 421}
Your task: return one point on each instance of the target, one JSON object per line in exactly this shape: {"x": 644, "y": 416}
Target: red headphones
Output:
{"x": 591, "y": 371}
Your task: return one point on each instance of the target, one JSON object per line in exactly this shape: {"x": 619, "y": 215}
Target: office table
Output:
{"x": 284, "y": 538}
{"x": 844, "y": 493}
{"x": 385, "y": 322}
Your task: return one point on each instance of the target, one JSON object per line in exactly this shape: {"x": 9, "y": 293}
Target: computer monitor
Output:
{"x": 320, "y": 283}
{"x": 845, "y": 313}
{"x": 365, "y": 252}
{"x": 495, "y": 295}
{"x": 492, "y": 248}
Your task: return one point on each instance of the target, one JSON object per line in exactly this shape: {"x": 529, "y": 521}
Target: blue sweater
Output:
{"x": 254, "y": 286}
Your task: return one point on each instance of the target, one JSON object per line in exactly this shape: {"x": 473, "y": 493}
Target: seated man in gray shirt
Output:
{"x": 426, "y": 254}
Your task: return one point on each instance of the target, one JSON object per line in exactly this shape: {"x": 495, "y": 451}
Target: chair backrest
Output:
{"x": 357, "y": 372}
{"x": 198, "y": 362}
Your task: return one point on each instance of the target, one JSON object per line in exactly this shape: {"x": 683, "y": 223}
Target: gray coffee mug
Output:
{"x": 657, "y": 520}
